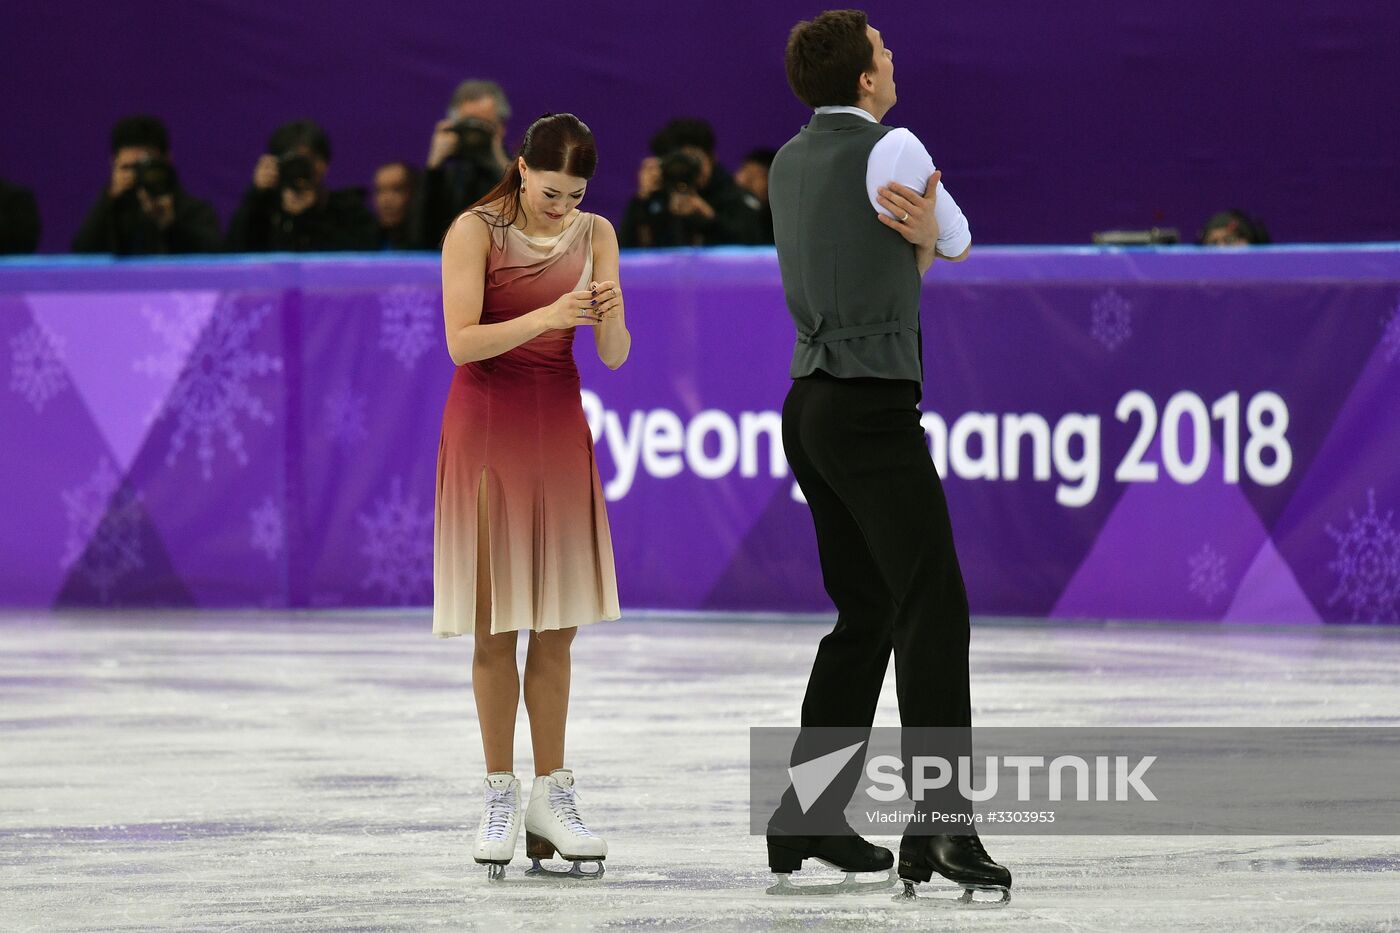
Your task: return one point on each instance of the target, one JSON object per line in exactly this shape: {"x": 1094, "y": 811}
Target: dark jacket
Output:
{"x": 396, "y": 238}
{"x": 119, "y": 226}
{"x": 649, "y": 222}
{"x": 19, "y": 219}
{"x": 339, "y": 221}
{"x": 444, "y": 193}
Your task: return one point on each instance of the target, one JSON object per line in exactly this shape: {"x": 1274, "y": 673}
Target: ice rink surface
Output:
{"x": 323, "y": 772}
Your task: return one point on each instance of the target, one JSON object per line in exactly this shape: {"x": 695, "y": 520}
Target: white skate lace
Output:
{"x": 561, "y": 801}
{"x": 500, "y": 806}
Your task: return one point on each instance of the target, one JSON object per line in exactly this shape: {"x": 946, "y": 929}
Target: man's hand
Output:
{"x": 913, "y": 213}
{"x": 265, "y": 173}
{"x": 649, "y": 177}
{"x": 444, "y": 143}
{"x": 297, "y": 202}
{"x": 161, "y": 210}
{"x": 123, "y": 177}
{"x": 689, "y": 204}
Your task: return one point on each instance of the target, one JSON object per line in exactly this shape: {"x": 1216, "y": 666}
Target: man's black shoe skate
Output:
{"x": 960, "y": 859}
{"x": 847, "y": 852}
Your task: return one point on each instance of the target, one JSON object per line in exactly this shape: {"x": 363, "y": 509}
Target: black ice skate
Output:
{"x": 960, "y": 859}
{"x": 847, "y": 852}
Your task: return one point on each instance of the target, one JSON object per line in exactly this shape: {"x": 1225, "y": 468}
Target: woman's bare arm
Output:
{"x": 464, "y": 254}
{"x": 611, "y": 335}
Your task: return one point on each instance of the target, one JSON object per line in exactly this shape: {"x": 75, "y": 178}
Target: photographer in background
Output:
{"x": 466, "y": 158}
{"x": 289, "y": 208}
{"x": 144, "y": 211}
{"x": 394, "y": 183}
{"x": 753, "y": 178}
{"x": 685, "y": 197}
{"x": 19, "y": 220}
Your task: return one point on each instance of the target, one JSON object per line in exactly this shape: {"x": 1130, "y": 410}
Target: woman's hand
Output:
{"x": 609, "y": 298}
{"x": 572, "y": 309}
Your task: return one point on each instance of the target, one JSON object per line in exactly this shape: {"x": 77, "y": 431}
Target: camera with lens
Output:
{"x": 295, "y": 171}
{"x": 680, "y": 172}
{"x": 475, "y": 138}
{"x": 155, "y": 176}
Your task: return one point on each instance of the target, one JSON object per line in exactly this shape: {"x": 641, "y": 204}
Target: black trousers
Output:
{"x": 858, "y": 451}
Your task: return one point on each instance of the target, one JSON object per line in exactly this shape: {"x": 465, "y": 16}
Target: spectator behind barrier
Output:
{"x": 753, "y": 178}
{"x": 19, "y": 219}
{"x": 288, "y": 208}
{"x": 466, "y": 158}
{"x": 144, "y": 211}
{"x": 685, "y": 197}
{"x": 1233, "y": 228}
{"x": 394, "y": 184}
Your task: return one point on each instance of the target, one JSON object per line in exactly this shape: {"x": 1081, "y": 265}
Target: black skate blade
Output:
{"x": 847, "y": 885}
{"x": 964, "y": 901}
{"x": 574, "y": 873}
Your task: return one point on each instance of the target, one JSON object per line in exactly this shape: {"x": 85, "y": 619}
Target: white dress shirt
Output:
{"x": 899, "y": 156}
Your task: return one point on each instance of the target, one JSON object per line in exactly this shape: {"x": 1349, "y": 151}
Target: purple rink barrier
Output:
{"x": 1169, "y": 434}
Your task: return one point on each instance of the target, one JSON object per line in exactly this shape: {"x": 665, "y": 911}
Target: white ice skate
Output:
{"x": 553, "y": 824}
{"x": 500, "y": 824}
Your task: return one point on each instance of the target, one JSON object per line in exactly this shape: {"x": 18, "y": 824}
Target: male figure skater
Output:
{"x": 859, "y": 215}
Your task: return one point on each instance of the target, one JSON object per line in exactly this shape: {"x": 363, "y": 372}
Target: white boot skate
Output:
{"x": 500, "y": 824}
{"x": 553, "y": 824}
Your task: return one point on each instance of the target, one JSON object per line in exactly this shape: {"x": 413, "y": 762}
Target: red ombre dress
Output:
{"x": 517, "y": 420}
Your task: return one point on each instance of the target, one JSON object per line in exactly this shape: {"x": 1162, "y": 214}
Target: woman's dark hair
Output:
{"x": 826, "y": 57}
{"x": 1237, "y": 222}
{"x": 556, "y": 142}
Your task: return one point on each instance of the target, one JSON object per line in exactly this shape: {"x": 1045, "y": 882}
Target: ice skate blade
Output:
{"x": 964, "y": 901}
{"x": 536, "y": 870}
{"x": 495, "y": 871}
{"x": 847, "y": 885}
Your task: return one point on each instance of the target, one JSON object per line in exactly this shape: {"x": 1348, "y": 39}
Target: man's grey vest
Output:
{"x": 852, "y": 284}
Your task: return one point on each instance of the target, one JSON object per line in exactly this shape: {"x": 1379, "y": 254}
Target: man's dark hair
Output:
{"x": 684, "y": 131}
{"x": 763, "y": 157}
{"x": 826, "y": 57}
{"x": 1247, "y": 228}
{"x": 297, "y": 134}
{"x": 143, "y": 131}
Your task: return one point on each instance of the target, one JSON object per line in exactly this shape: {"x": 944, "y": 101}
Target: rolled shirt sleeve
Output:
{"x": 901, "y": 157}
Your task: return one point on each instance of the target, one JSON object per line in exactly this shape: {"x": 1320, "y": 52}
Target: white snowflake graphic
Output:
{"x": 104, "y": 529}
{"x": 1111, "y": 322}
{"x": 213, "y": 389}
{"x": 37, "y": 372}
{"x": 398, "y": 540}
{"x": 407, "y": 323}
{"x": 1207, "y": 570}
{"x": 268, "y": 530}
{"x": 343, "y": 419}
{"x": 1367, "y": 564}
{"x": 178, "y": 328}
{"x": 1390, "y": 338}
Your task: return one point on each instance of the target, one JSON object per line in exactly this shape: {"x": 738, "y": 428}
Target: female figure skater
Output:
{"x": 521, "y": 540}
